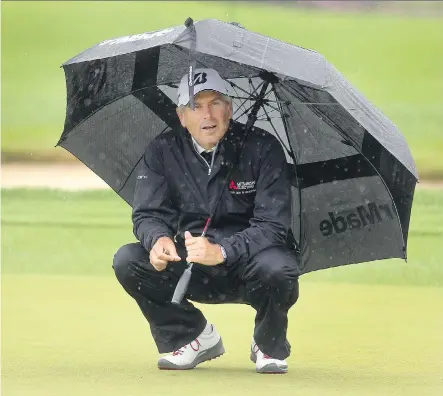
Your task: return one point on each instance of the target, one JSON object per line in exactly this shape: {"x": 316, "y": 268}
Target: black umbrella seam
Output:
{"x": 286, "y": 127}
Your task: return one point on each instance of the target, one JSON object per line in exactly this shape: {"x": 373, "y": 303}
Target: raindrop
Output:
{"x": 87, "y": 102}
{"x": 102, "y": 156}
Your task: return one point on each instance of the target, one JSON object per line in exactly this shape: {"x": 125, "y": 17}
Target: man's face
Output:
{"x": 209, "y": 121}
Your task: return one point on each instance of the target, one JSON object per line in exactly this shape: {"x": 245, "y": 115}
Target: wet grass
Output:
{"x": 396, "y": 61}
{"x": 64, "y": 335}
{"x": 47, "y": 226}
{"x": 68, "y": 328}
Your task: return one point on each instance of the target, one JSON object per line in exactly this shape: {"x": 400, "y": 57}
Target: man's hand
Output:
{"x": 201, "y": 251}
{"x": 162, "y": 252}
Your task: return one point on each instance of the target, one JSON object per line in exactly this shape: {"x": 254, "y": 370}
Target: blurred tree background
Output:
{"x": 392, "y": 51}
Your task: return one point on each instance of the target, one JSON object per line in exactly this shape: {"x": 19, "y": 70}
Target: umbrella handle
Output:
{"x": 183, "y": 282}
{"x": 182, "y": 286}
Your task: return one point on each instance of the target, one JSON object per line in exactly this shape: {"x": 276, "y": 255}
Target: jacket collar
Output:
{"x": 228, "y": 145}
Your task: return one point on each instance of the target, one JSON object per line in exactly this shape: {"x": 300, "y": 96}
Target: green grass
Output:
{"x": 80, "y": 335}
{"x": 42, "y": 229}
{"x": 68, "y": 328}
{"x": 396, "y": 61}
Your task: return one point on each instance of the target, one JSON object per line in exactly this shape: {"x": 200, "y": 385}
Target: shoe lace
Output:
{"x": 179, "y": 351}
{"x": 182, "y": 349}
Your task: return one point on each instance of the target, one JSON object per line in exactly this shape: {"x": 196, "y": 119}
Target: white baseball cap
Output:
{"x": 204, "y": 79}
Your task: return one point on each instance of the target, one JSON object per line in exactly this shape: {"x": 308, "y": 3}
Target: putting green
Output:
{"x": 70, "y": 329}
{"x": 72, "y": 335}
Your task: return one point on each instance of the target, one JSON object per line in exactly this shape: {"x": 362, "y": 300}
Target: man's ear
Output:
{"x": 181, "y": 117}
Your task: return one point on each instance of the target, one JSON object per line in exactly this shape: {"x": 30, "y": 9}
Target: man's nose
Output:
{"x": 206, "y": 112}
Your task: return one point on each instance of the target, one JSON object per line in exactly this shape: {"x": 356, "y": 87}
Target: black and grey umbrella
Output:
{"x": 353, "y": 175}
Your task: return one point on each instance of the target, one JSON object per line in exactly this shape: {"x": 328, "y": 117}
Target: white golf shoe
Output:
{"x": 205, "y": 347}
{"x": 266, "y": 364}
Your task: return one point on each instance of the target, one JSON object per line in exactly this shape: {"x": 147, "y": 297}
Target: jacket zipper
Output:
{"x": 212, "y": 162}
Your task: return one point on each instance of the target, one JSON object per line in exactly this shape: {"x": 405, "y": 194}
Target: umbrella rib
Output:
{"x": 304, "y": 103}
{"x": 233, "y": 84}
{"x": 265, "y": 118}
{"x": 239, "y": 97}
{"x": 242, "y": 114}
{"x": 273, "y": 110}
{"x": 250, "y": 95}
{"x": 277, "y": 134}
{"x": 242, "y": 104}
{"x": 272, "y": 107}
{"x": 240, "y": 107}
{"x": 255, "y": 89}
{"x": 268, "y": 94}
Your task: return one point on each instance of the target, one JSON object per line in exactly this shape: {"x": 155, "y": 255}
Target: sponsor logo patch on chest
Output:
{"x": 241, "y": 187}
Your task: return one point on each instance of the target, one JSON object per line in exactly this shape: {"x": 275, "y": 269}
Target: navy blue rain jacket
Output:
{"x": 174, "y": 192}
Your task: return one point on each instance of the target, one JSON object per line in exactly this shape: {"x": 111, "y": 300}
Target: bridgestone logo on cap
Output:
{"x": 200, "y": 78}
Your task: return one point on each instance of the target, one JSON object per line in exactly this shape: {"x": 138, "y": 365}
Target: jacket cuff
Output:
{"x": 230, "y": 253}
{"x": 154, "y": 239}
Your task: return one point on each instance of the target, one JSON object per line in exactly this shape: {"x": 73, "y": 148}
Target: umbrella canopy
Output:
{"x": 353, "y": 175}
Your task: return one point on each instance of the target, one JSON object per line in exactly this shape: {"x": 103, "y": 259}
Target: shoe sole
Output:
{"x": 271, "y": 368}
{"x": 210, "y": 354}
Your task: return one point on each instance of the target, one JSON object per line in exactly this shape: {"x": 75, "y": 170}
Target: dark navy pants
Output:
{"x": 268, "y": 282}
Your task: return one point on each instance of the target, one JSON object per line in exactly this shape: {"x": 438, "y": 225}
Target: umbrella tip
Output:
{"x": 189, "y": 22}
{"x": 237, "y": 24}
